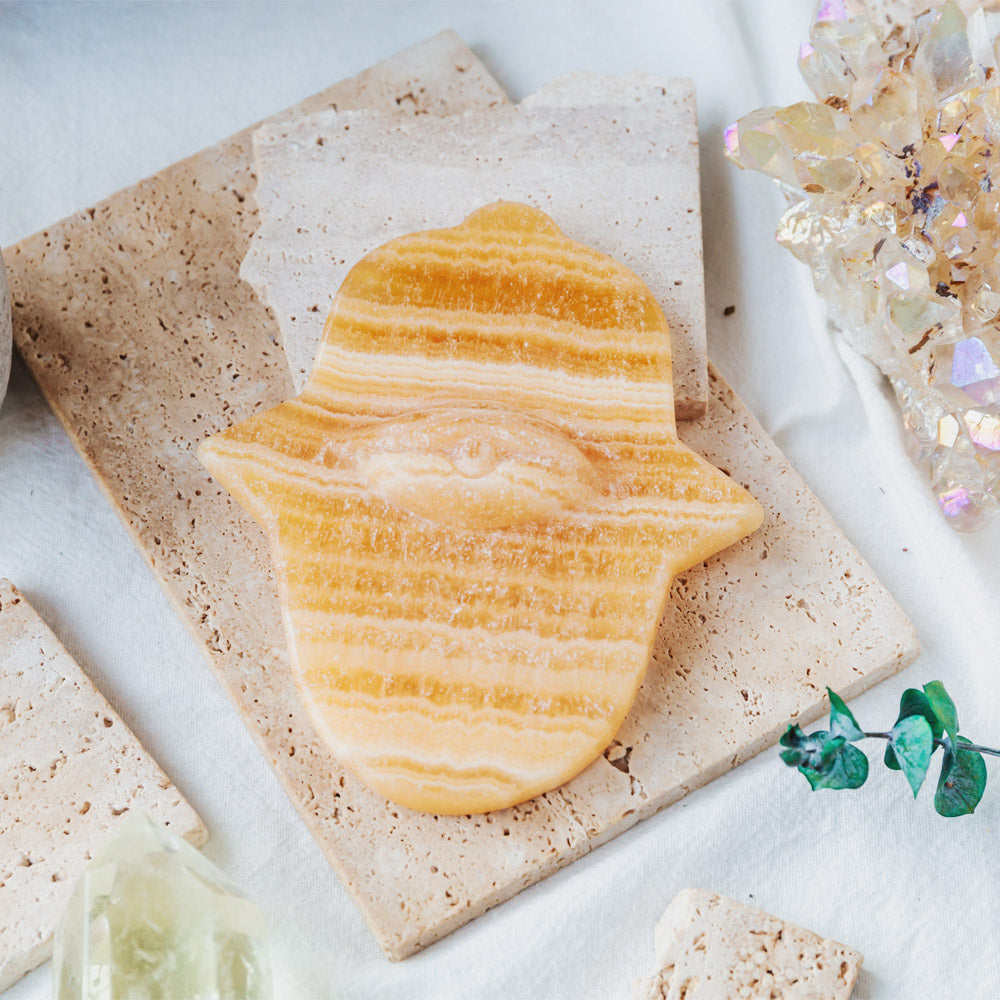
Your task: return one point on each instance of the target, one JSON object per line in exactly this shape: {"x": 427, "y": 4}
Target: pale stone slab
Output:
{"x": 613, "y": 161}
{"x": 709, "y": 947}
{"x": 69, "y": 768}
{"x": 748, "y": 642}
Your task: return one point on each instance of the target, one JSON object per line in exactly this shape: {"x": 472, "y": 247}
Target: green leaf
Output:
{"x": 803, "y": 749}
{"x": 798, "y": 744}
{"x": 842, "y": 722}
{"x": 943, "y": 707}
{"x": 829, "y": 750}
{"x": 826, "y": 760}
{"x": 846, "y": 768}
{"x": 812, "y": 750}
{"x": 793, "y": 737}
{"x": 915, "y": 702}
{"x": 913, "y": 742}
{"x": 962, "y": 781}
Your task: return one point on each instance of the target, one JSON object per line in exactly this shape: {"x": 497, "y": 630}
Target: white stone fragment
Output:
{"x": 709, "y": 947}
{"x": 69, "y": 768}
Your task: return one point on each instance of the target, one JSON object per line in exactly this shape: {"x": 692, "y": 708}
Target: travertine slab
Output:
{"x": 614, "y": 161}
{"x": 143, "y": 352}
{"x": 712, "y": 948}
{"x": 69, "y": 767}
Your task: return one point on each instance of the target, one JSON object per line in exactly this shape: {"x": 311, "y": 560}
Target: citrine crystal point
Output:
{"x": 895, "y": 193}
{"x": 476, "y": 507}
{"x": 152, "y": 918}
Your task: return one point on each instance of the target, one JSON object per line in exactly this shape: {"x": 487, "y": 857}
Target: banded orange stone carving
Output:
{"x": 476, "y": 508}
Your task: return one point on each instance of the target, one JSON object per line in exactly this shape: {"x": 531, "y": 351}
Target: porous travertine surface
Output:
{"x": 614, "y": 161}
{"x": 709, "y": 947}
{"x": 70, "y": 771}
{"x": 134, "y": 321}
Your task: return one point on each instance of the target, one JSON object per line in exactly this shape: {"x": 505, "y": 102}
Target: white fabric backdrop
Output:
{"x": 94, "y": 97}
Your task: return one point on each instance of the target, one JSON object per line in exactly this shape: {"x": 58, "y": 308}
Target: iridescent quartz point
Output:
{"x": 893, "y": 180}
{"x": 151, "y": 918}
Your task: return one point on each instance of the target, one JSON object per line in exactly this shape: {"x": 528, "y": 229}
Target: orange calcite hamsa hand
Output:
{"x": 476, "y": 508}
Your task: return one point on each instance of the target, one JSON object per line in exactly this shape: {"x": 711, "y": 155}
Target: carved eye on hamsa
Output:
{"x": 475, "y": 468}
{"x": 476, "y": 507}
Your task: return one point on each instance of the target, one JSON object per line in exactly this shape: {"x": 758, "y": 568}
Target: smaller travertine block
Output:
{"x": 709, "y": 947}
{"x": 69, "y": 768}
{"x": 613, "y": 160}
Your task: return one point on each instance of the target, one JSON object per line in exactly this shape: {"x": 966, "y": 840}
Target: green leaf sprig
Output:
{"x": 927, "y": 722}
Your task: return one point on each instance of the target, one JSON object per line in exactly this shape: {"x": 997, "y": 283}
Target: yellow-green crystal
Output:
{"x": 152, "y": 919}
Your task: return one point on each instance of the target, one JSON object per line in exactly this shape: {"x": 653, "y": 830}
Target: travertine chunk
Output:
{"x": 709, "y": 947}
{"x": 69, "y": 768}
{"x": 614, "y": 161}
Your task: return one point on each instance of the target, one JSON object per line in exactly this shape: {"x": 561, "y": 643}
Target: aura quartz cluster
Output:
{"x": 894, "y": 182}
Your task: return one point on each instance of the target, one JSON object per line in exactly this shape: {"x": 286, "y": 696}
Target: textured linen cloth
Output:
{"x": 94, "y": 97}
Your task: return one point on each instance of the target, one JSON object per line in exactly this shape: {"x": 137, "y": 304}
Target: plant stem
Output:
{"x": 940, "y": 743}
